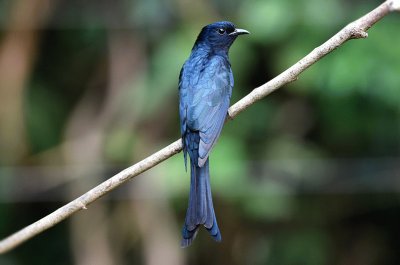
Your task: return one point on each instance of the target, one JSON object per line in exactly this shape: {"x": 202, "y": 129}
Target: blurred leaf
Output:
{"x": 308, "y": 247}
{"x": 119, "y": 145}
{"x": 227, "y": 165}
{"x": 273, "y": 205}
{"x": 265, "y": 22}
{"x": 163, "y": 80}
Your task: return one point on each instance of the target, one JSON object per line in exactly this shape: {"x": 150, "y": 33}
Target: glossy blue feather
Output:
{"x": 205, "y": 89}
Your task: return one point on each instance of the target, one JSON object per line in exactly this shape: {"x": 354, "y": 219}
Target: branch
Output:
{"x": 354, "y": 30}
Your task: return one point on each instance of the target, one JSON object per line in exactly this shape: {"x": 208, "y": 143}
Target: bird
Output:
{"x": 205, "y": 89}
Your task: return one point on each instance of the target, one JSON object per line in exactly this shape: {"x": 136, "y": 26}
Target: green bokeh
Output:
{"x": 308, "y": 175}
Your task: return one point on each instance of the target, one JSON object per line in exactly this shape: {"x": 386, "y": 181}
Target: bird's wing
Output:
{"x": 207, "y": 104}
{"x": 183, "y": 103}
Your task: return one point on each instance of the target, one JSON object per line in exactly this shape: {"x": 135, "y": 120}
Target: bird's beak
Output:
{"x": 239, "y": 32}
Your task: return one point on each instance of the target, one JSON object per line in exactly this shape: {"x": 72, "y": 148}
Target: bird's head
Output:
{"x": 219, "y": 35}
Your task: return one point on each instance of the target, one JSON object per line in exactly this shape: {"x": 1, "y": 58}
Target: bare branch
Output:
{"x": 354, "y": 30}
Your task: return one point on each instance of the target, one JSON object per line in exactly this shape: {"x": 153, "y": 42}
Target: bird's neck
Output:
{"x": 205, "y": 49}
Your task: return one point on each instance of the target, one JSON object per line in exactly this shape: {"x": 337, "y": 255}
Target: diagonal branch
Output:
{"x": 354, "y": 30}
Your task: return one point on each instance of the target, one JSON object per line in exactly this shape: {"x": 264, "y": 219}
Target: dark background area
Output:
{"x": 308, "y": 175}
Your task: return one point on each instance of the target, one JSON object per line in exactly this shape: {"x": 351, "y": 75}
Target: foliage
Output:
{"x": 306, "y": 176}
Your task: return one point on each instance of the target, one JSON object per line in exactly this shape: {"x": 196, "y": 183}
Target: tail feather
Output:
{"x": 200, "y": 209}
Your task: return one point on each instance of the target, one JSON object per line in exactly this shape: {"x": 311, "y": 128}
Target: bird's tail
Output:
{"x": 200, "y": 210}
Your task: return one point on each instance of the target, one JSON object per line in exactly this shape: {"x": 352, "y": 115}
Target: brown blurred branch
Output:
{"x": 18, "y": 50}
{"x": 354, "y": 30}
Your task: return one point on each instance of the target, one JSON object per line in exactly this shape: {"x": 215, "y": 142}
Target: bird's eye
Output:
{"x": 221, "y": 31}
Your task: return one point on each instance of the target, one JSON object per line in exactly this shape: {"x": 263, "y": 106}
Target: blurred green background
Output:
{"x": 309, "y": 175}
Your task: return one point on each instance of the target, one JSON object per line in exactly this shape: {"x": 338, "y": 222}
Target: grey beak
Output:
{"x": 239, "y": 32}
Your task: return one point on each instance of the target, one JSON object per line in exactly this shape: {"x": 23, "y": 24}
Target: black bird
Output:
{"x": 205, "y": 89}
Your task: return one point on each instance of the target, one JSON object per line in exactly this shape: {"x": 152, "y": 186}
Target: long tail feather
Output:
{"x": 200, "y": 209}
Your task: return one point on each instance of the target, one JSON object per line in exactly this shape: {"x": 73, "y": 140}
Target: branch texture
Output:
{"x": 354, "y": 30}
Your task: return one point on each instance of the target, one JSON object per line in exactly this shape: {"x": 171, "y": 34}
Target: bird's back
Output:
{"x": 205, "y": 89}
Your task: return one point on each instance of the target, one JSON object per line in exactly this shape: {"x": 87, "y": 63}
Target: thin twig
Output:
{"x": 354, "y": 30}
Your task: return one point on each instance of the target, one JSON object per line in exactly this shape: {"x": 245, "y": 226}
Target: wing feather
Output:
{"x": 204, "y": 103}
